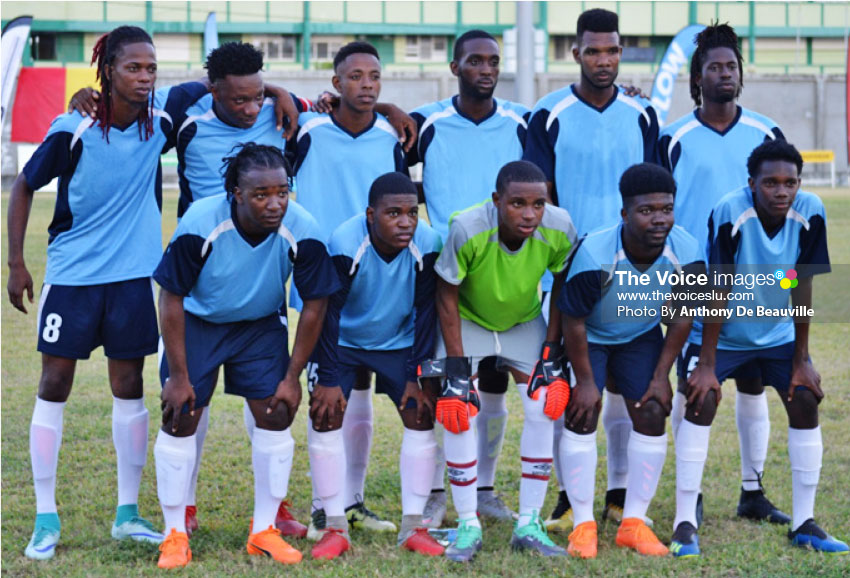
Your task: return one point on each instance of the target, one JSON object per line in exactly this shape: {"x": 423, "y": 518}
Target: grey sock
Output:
{"x": 410, "y": 523}
{"x": 338, "y": 523}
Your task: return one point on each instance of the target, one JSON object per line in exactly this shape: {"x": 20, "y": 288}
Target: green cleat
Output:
{"x": 532, "y": 537}
{"x": 467, "y": 544}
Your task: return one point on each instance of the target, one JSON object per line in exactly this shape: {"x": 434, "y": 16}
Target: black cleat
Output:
{"x": 754, "y": 505}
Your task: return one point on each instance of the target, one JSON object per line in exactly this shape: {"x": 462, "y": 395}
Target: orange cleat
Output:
{"x": 583, "y": 541}
{"x": 174, "y": 551}
{"x": 287, "y": 524}
{"x": 191, "y": 520}
{"x": 421, "y": 542}
{"x": 333, "y": 543}
{"x": 269, "y": 543}
{"x": 635, "y": 534}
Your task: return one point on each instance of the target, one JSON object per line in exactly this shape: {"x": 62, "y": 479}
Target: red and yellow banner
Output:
{"x": 42, "y": 95}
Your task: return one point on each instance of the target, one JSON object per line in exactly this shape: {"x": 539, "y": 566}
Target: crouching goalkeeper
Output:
{"x": 488, "y": 305}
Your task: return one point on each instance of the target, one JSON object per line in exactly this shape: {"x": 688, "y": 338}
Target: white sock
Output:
{"x": 462, "y": 465}
{"x": 357, "y": 436}
{"x": 618, "y": 427}
{"x": 439, "y": 481}
{"x": 557, "y": 432}
{"x": 327, "y": 468}
{"x": 678, "y": 413}
{"x": 200, "y": 437}
{"x": 578, "y": 470}
{"x": 646, "y": 460}
{"x": 45, "y": 441}
{"x": 753, "y": 434}
{"x": 175, "y": 459}
{"x": 416, "y": 465}
{"x": 492, "y": 420}
{"x": 271, "y": 453}
{"x": 805, "y": 450}
{"x": 536, "y": 456}
{"x": 691, "y": 453}
{"x": 130, "y": 438}
{"x": 248, "y": 419}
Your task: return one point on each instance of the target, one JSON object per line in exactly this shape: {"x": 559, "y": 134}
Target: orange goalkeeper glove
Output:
{"x": 458, "y": 400}
{"x": 549, "y": 373}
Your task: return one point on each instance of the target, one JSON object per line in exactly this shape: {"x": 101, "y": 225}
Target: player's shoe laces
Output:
{"x": 583, "y": 542}
{"x": 532, "y": 537}
{"x": 286, "y": 522}
{"x": 191, "y": 520}
{"x": 138, "y": 529}
{"x": 42, "y": 545}
{"x": 615, "y": 502}
{"x": 420, "y": 541}
{"x": 490, "y": 505}
{"x": 754, "y": 505}
{"x": 810, "y": 535}
{"x": 635, "y": 534}
{"x": 359, "y": 516}
{"x": 333, "y": 543}
{"x": 685, "y": 542}
{"x": 174, "y": 551}
{"x": 318, "y": 523}
{"x": 435, "y": 510}
{"x": 561, "y": 518}
{"x": 269, "y": 543}
{"x": 467, "y": 544}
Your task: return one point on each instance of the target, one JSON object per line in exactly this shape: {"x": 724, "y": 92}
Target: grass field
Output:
{"x": 86, "y": 485}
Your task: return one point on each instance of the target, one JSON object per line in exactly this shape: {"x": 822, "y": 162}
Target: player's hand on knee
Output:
{"x": 585, "y": 402}
{"x": 176, "y": 393}
{"x": 701, "y": 382}
{"x": 424, "y": 405}
{"x": 327, "y": 407}
{"x": 804, "y": 374}
{"x": 85, "y": 102}
{"x": 549, "y": 376}
{"x": 20, "y": 280}
{"x": 288, "y": 392}
{"x": 458, "y": 401}
{"x": 661, "y": 391}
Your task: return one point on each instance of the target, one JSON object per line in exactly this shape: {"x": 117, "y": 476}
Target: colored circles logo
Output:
{"x": 787, "y": 279}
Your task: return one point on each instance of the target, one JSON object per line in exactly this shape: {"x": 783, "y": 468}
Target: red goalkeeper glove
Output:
{"x": 458, "y": 400}
{"x": 550, "y": 375}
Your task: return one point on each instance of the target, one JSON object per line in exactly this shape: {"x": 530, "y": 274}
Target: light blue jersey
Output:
{"x": 461, "y": 157}
{"x": 334, "y": 168}
{"x": 107, "y": 222}
{"x": 226, "y": 277}
{"x": 737, "y": 237}
{"x": 707, "y": 164}
{"x": 594, "y": 290}
{"x": 584, "y": 150}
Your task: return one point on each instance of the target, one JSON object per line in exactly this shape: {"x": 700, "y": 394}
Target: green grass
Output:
{"x": 86, "y": 485}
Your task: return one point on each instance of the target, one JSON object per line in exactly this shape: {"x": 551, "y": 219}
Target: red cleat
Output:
{"x": 334, "y": 543}
{"x": 287, "y": 524}
{"x": 421, "y": 542}
{"x": 191, "y": 520}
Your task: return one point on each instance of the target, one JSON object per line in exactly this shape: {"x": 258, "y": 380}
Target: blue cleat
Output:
{"x": 42, "y": 545}
{"x": 810, "y": 535}
{"x": 685, "y": 543}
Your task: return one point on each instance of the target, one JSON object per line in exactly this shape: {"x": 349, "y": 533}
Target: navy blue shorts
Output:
{"x": 73, "y": 321}
{"x": 389, "y": 367}
{"x": 773, "y": 364}
{"x": 255, "y": 355}
{"x": 688, "y": 358}
{"x": 631, "y": 364}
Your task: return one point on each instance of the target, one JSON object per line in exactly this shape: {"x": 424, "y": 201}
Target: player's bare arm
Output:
{"x": 803, "y": 373}
{"x": 20, "y": 280}
{"x": 449, "y": 314}
{"x": 177, "y": 390}
{"x": 585, "y": 400}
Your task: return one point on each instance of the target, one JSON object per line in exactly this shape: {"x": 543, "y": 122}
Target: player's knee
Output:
{"x": 803, "y": 409}
{"x": 278, "y": 420}
{"x": 650, "y": 418}
{"x": 329, "y": 425}
{"x": 55, "y": 386}
{"x": 702, "y": 415}
{"x": 409, "y": 419}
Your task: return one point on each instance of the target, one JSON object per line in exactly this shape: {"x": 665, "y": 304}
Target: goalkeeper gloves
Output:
{"x": 458, "y": 401}
{"x": 550, "y": 373}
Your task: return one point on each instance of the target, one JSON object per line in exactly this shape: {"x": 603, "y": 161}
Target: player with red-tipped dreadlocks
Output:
{"x": 105, "y": 242}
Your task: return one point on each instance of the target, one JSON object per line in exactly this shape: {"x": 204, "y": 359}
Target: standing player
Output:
{"x": 339, "y": 155}
{"x": 705, "y": 151}
{"x": 463, "y": 142}
{"x": 223, "y": 302}
{"x": 601, "y": 342}
{"x": 770, "y": 223}
{"x": 583, "y": 137}
{"x": 105, "y": 241}
{"x": 382, "y": 320}
{"x": 487, "y": 301}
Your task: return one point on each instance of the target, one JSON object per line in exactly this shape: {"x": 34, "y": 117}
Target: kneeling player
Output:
{"x": 383, "y": 321}
{"x": 223, "y": 303}
{"x": 487, "y": 300}
{"x": 601, "y": 342}
{"x": 773, "y": 224}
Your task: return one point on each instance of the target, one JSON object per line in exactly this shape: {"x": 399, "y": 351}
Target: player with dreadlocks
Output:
{"x": 706, "y": 151}
{"x": 105, "y": 241}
